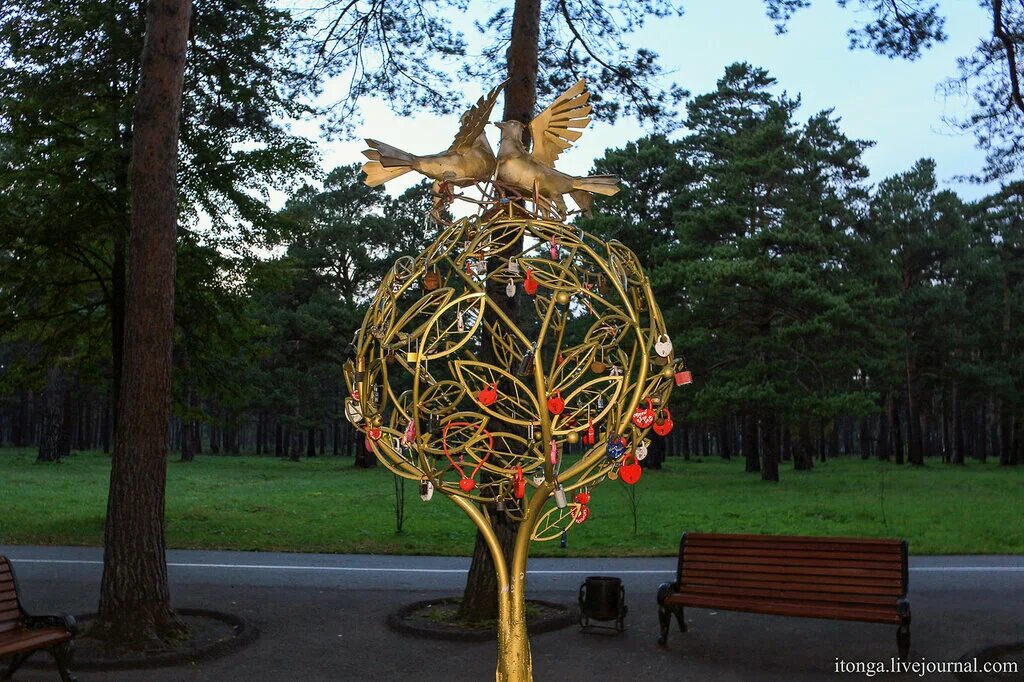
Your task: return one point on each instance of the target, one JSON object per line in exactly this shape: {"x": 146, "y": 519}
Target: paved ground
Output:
{"x": 322, "y": 618}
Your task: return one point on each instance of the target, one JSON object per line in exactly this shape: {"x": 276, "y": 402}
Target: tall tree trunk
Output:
{"x": 53, "y": 415}
{"x": 725, "y": 438}
{"x": 897, "y": 434}
{"x": 750, "y": 443}
{"x": 803, "y": 458}
{"x": 480, "y": 596}
{"x": 134, "y": 606}
{"x": 311, "y": 441}
{"x": 770, "y": 456}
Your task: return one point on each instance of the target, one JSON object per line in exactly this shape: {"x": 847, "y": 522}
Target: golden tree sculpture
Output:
{"x": 479, "y": 404}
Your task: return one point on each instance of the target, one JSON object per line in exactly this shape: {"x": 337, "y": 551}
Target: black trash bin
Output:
{"x": 603, "y": 598}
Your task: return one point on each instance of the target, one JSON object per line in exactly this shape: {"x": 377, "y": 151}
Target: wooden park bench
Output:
{"x": 854, "y": 579}
{"x": 21, "y": 635}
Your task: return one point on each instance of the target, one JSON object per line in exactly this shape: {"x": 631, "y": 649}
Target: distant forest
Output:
{"x": 822, "y": 314}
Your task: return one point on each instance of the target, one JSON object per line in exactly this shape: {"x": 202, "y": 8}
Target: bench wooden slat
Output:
{"x": 844, "y": 555}
{"x": 807, "y": 561}
{"x": 28, "y": 640}
{"x": 892, "y": 590}
{"x": 791, "y": 570}
{"x": 789, "y": 539}
{"x": 809, "y": 579}
{"x": 888, "y": 615}
{"x": 770, "y": 594}
{"x": 883, "y": 550}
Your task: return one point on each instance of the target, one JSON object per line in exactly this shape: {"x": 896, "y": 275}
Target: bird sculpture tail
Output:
{"x": 385, "y": 163}
{"x": 607, "y": 185}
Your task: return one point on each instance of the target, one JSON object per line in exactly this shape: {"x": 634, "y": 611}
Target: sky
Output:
{"x": 896, "y": 103}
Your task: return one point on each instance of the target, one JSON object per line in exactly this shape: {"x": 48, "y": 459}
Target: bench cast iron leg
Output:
{"x": 62, "y": 655}
{"x": 903, "y": 640}
{"x": 16, "y": 662}
{"x": 664, "y": 612}
{"x": 665, "y": 619}
{"x": 680, "y": 619}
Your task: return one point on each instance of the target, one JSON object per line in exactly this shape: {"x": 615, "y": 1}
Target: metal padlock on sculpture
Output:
{"x": 664, "y": 425}
{"x": 431, "y": 280}
{"x": 682, "y": 375}
{"x": 663, "y": 346}
{"x": 616, "y": 447}
{"x": 643, "y": 417}
{"x": 426, "y": 489}
{"x": 530, "y": 284}
{"x": 560, "y": 500}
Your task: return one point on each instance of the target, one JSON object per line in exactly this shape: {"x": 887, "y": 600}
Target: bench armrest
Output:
{"x": 666, "y": 589}
{"x": 57, "y": 620}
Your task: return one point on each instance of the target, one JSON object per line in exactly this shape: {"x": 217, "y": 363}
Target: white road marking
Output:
{"x": 383, "y": 569}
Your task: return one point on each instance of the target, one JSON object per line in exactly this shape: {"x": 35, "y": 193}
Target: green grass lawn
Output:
{"x": 327, "y": 505}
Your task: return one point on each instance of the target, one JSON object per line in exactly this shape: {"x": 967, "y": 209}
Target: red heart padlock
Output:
{"x": 630, "y": 473}
{"x": 588, "y": 437}
{"x": 465, "y": 482}
{"x": 355, "y": 394}
{"x": 488, "y": 394}
{"x": 665, "y": 426}
{"x": 530, "y": 284}
{"x": 582, "y": 497}
{"x": 555, "y": 403}
{"x": 581, "y": 514}
{"x": 374, "y": 432}
{"x": 643, "y": 417}
{"x": 519, "y": 483}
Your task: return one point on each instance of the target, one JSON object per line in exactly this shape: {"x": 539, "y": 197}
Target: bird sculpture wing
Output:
{"x": 475, "y": 119}
{"x": 557, "y": 127}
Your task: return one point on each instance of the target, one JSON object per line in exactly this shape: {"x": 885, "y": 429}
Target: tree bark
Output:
{"x": 803, "y": 458}
{"x": 770, "y": 456}
{"x": 750, "y": 443}
{"x": 480, "y": 596}
{"x": 134, "y": 606}
{"x": 52, "y": 426}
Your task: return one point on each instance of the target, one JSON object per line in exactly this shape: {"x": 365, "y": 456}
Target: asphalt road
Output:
{"x": 321, "y": 618}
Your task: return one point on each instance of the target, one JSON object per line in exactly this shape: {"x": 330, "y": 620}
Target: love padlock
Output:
{"x": 588, "y": 437}
{"x": 554, "y": 247}
{"x": 426, "y": 489}
{"x": 519, "y": 483}
{"x": 682, "y": 375}
{"x": 409, "y": 436}
{"x": 663, "y": 346}
{"x": 510, "y": 289}
{"x": 488, "y": 394}
{"x": 529, "y": 283}
{"x": 663, "y": 428}
{"x": 616, "y": 447}
{"x": 555, "y": 403}
{"x": 641, "y": 450}
{"x": 431, "y": 280}
{"x": 467, "y": 484}
{"x": 513, "y": 266}
{"x": 643, "y": 417}
{"x": 581, "y": 514}
{"x": 630, "y": 472}
{"x": 374, "y": 432}
{"x": 582, "y": 497}
{"x": 353, "y": 411}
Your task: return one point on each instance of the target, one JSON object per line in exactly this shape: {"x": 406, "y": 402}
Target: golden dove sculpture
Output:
{"x": 553, "y": 131}
{"x": 468, "y": 160}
